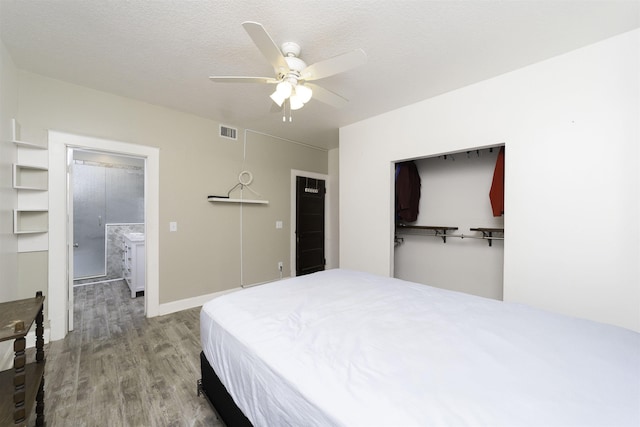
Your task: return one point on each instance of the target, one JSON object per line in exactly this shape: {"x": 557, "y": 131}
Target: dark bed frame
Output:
{"x": 218, "y": 396}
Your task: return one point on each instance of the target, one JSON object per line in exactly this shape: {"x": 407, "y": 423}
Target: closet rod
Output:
{"x": 468, "y": 236}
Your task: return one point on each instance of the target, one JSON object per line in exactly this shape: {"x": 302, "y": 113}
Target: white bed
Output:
{"x": 344, "y": 348}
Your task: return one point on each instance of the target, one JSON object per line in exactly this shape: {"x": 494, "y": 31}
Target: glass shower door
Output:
{"x": 89, "y": 210}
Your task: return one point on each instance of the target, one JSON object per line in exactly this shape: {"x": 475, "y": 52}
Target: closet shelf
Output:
{"x": 246, "y": 201}
{"x": 440, "y": 231}
{"x": 426, "y": 227}
{"x": 487, "y": 233}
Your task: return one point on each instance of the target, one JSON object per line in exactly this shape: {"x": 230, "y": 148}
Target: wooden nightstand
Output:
{"x": 23, "y": 385}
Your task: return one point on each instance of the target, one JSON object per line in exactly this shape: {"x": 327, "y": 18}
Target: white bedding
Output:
{"x": 351, "y": 349}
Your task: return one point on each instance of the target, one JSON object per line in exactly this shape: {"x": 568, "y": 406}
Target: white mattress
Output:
{"x": 348, "y": 348}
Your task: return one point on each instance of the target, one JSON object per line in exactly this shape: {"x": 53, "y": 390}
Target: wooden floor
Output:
{"x": 118, "y": 368}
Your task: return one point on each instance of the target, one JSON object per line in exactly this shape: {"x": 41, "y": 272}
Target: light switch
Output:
{"x": 173, "y": 226}
{"x": 278, "y": 224}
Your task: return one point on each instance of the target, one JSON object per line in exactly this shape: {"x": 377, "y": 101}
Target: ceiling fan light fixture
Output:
{"x": 278, "y": 98}
{"x": 284, "y": 88}
{"x": 295, "y": 102}
{"x": 303, "y": 93}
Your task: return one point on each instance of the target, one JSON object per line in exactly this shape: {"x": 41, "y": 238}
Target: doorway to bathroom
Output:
{"x": 108, "y": 220}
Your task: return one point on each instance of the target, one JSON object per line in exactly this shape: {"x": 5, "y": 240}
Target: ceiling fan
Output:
{"x": 292, "y": 74}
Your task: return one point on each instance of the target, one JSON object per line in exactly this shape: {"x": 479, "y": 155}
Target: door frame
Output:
{"x": 60, "y": 244}
{"x": 71, "y": 176}
{"x": 327, "y": 224}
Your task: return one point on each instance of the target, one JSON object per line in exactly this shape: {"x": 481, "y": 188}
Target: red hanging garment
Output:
{"x": 496, "y": 194}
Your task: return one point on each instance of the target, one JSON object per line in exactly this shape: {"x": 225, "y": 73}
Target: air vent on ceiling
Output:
{"x": 228, "y": 132}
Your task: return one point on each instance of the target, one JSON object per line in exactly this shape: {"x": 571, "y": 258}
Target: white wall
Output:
{"x": 454, "y": 193}
{"x": 333, "y": 229}
{"x": 8, "y": 196}
{"x": 204, "y": 256}
{"x": 570, "y": 125}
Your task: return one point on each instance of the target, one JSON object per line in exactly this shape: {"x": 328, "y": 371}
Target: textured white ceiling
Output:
{"x": 162, "y": 52}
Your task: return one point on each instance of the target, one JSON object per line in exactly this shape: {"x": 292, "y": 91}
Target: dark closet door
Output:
{"x": 310, "y": 194}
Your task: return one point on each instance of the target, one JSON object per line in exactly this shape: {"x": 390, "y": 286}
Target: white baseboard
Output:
{"x": 6, "y": 348}
{"x": 185, "y": 304}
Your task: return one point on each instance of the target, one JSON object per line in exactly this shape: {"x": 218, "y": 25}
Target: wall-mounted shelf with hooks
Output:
{"x": 244, "y": 181}
{"x": 246, "y": 201}
{"x": 439, "y": 231}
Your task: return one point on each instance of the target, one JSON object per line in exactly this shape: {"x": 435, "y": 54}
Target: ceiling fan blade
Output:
{"x": 325, "y": 95}
{"x": 335, "y": 65}
{"x": 234, "y": 79}
{"x": 267, "y": 46}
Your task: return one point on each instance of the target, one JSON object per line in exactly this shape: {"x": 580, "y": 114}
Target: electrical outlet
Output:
{"x": 280, "y": 265}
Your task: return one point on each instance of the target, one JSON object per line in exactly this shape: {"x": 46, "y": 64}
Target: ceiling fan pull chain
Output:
{"x": 284, "y": 112}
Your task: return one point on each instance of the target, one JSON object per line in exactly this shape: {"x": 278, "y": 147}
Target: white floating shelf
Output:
{"x": 248, "y": 201}
{"x": 31, "y": 138}
{"x": 30, "y": 177}
{"x": 30, "y": 221}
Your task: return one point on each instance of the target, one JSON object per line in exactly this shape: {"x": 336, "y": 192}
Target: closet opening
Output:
{"x": 449, "y": 221}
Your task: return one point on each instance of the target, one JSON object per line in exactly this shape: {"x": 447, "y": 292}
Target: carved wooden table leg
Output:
{"x": 40, "y": 359}
{"x": 19, "y": 361}
{"x": 22, "y": 386}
